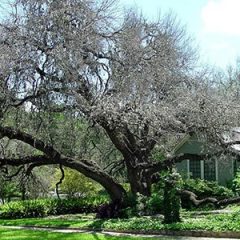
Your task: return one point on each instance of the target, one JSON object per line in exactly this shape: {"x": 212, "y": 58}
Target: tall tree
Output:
{"x": 137, "y": 80}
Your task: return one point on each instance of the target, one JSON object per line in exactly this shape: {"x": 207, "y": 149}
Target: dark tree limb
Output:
{"x": 60, "y": 180}
{"x": 15, "y": 162}
{"x": 29, "y": 139}
{"x": 9, "y": 177}
{"x": 193, "y": 198}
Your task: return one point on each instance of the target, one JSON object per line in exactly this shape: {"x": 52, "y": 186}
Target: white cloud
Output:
{"x": 222, "y": 16}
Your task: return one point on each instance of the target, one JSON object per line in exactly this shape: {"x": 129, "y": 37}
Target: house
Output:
{"x": 221, "y": 169}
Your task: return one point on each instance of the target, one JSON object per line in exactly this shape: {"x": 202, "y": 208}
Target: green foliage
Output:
{"x": 203, "y": 188}
{"x": 236, "y": 183}
{"x": 210, "y": 222}
{"x": 157, "y": 155}
{"x": 154, "y": 203}
{"x": 22, "y": 209}
{"x": 44, "y": 207}
{"x": 140, "y": 205}
{"x": 76, "y": 183}
{"x": 171, "y": 198}
{"x": 8, "y": 190}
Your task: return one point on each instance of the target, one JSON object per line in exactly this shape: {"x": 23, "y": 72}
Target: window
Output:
{"x": 210, "y": 170}
{"x": 203, "y": 169}
{"x": 195, "y": 168}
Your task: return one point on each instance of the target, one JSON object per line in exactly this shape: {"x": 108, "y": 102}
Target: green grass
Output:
{"x": 220, "y": 222}
{"x": 9, "y": 234}
{"x": 191, "y": 221}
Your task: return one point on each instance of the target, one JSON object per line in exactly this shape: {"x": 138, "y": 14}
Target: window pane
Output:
{"x": 210, "y": 170}
{"x": 195, "y": 168}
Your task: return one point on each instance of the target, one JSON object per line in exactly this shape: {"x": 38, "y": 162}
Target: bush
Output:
{"x": 22, "y": 209}
{"x": 45, "y": 207}
{"x": 139, "y": 205}
{"x": 155, "y": 203}
{"x": 236, "y": 183}
{"x": 203, "y": 189}
{"x": 171, "y": 199}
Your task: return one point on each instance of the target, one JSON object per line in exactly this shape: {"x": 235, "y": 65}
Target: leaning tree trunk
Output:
{"x": 133, "y": 155}
{"x": 114, "y": 189}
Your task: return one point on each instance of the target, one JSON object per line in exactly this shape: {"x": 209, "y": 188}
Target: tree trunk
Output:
{"x": 114, "y": 189}
{"x": 133, "y": 155}
{"x": 139, "y": 181}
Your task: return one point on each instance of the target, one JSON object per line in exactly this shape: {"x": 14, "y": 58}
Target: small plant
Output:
{"x": 154, "y": 204}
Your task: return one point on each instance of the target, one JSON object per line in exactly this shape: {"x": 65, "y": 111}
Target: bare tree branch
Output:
{"x": 60, "y": 180}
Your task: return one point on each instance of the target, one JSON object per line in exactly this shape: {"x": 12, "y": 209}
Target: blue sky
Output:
{"x": 214, "y": 24}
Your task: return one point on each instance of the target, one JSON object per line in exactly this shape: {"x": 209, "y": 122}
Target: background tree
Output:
{"x": 75, "y": 184}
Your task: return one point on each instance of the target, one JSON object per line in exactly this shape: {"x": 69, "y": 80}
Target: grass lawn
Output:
{"x": 210, "y": 222}
{"x": 9, "y": 234}
{"x": 219, "y": 222}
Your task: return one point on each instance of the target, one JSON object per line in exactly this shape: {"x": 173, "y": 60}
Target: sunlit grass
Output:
{"x": 210, "y": 222}
{"x": 10, "y": 234}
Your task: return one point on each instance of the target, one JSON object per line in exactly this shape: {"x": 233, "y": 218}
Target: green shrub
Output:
{"x": 22, "y": 209}
{"x": 155, "y": 203}
{"x": 171, "y": 199}
{"x": 203, "y": 188}
{"x": 45, "y": 207}
{"x": 139, "y": 205}
{"x": 236, "y": 183}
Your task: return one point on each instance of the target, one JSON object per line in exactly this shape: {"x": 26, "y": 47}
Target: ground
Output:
{"x": 20, "y": 234}
{"x": 226, "y": 220}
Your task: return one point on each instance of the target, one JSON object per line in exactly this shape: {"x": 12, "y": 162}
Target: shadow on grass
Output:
{"x": 97, "y": 224}
{"x": 10, "y": 234}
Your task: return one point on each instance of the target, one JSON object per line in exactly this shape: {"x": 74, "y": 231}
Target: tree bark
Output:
{"x": 139, "y": 181}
